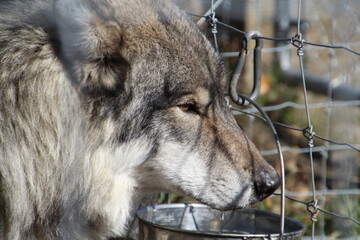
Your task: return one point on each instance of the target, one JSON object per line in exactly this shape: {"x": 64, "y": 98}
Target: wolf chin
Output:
{"x": 103, "y": 102}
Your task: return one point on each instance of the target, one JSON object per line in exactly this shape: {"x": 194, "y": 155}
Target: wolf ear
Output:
{"x": 105, "y": 65}
{"x": 106, "y": 39}
{"x": 91, "y": 51}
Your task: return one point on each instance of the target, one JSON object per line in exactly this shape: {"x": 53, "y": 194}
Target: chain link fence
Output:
{"x": 310, "y": 90}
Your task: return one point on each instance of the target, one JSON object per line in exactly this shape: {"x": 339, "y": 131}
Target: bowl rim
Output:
{"x": 218, "y": 234}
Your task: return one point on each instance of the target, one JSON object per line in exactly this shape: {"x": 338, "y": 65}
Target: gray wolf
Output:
{"x": 104, "y": 101}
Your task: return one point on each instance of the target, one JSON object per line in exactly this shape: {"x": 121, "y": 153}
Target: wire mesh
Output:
{"x": 314, "y": 44}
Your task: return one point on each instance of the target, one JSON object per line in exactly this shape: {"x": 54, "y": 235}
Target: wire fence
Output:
{"x": 329, "y": 66}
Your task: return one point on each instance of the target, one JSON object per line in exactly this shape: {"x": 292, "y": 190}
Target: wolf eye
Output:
{"x": 188, "y": 107}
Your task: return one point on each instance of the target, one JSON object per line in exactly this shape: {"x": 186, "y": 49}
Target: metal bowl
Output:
{"x": 197, "y": 221}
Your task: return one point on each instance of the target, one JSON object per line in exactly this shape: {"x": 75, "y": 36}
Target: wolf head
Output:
{"x": 154, "y": 78}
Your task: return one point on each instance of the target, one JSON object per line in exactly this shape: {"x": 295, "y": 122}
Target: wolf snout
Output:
{"x": 266, "y": 183}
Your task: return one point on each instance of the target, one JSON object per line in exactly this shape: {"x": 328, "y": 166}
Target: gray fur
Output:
{"x": 93, "y": 115}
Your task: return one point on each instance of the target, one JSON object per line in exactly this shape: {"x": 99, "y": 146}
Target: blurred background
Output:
{"x": 333, "y": 94}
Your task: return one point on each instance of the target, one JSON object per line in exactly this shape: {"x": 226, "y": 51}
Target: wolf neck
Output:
{"x": 112, "y": 184}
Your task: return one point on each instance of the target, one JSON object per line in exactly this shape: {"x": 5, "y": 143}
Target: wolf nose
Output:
{"x": 268, "y": 182}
